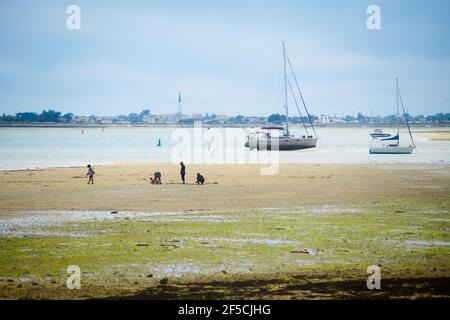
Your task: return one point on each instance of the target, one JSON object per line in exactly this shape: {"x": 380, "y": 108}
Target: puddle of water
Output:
{"x": 31, "y": 224}
{"x": 204, "y": 218}
{"x": 434, "y": 211}
{"x": 178, "y": 270}
{"x": 420, "y": 243}
{"x": 182, "y": 269}
{"x": 243, "y": 240}
{"x": 38, "y": 233}
{"x": 429, "y": 243}
{"x": 314, "y": 210}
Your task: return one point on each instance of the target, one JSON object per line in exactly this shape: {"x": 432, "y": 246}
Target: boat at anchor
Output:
{"x": 279, "y": 137}
{"x": 386, "y": 143}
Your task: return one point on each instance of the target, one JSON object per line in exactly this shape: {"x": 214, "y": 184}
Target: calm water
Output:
{"x": 54, "y": 147}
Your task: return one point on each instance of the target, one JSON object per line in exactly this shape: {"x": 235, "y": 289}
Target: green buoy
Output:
{"x": 159, "y": 143}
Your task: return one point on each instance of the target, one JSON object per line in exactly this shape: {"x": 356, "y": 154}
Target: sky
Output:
{"x": 224, "y": 56}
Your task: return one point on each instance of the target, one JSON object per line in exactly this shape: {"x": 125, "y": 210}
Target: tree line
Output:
{"x": 392, "y": 119}
{"x": 44, "y": 116}
{"x": 56, "y": 116}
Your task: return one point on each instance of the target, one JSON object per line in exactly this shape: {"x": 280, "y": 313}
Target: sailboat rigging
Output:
{"x": 266, "y": 139}
{"x": 384, "y": 143}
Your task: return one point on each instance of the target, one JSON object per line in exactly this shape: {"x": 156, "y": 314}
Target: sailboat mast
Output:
{"x": 301, "y": 96}
{"x": 406, "y": 117}
{"x": 285, "y": 90}
{"x": 398, "y": 110}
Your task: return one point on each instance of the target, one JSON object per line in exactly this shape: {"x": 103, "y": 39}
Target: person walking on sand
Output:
{"x": 90, "y": 174}
{"x": 182, "y": 171}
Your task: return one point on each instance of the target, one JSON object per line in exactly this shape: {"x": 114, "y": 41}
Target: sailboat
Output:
{"x": 385, "y": 143}
{"x": 279, "y": 137}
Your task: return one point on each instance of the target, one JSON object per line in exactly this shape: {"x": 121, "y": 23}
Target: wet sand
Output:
{"x": 439, "y": 137}
{"x": 308, "y": 232}
{"x": 230, "y": 187}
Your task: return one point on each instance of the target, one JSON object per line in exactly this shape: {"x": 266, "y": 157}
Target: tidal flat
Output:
{"x": 309, "y": 252}
{"x": 308, "y": 232}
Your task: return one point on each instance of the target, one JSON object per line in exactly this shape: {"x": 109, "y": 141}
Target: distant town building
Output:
{"x": 254, "y": 120}
{"x": 105, "y": 120}
{"x": 323, "y": 119}
{"x": 197, "y": 116}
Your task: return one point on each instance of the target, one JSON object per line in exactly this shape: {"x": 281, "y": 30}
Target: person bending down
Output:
{"x": 200, "y": 179}
{"x": 156, "y": 178}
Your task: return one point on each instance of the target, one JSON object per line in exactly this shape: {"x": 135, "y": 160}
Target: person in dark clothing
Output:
{"x": 90, "y": 174}
{"x": 157, "y": 176}
{"x": 156, "y": 179}
{"x": 182, "y": 171}
{"x": 200, "y": 179}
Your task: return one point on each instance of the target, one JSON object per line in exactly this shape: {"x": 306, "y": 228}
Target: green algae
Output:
{"x": 119, "y": 255}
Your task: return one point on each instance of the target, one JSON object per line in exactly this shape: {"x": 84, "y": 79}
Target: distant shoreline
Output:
{"x": 146, "y": 125}
{"x": 254, "y": 165}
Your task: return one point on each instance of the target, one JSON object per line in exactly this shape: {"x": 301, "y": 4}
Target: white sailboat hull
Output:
{"x": 383, "y": 143}
{"x": 281, "y": 143}
{"x": 391, "y": 150}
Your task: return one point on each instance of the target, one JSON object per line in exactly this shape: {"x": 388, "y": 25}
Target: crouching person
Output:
{"x": 200, "y": 179}
{"x": 156, "y": 179}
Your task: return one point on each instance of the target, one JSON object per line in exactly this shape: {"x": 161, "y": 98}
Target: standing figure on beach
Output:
{"x": 182, "y": 171}
{"x": 90, "y": 174}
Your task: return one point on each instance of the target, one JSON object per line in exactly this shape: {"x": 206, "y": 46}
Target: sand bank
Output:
{"x": 228, "y": 187}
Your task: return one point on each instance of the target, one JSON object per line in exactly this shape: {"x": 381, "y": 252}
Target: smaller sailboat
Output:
{"x": 385, "y": 143}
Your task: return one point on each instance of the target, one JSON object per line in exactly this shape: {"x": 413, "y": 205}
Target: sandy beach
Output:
{"x": 228, "y": 187}
{"x": 309, "y": 232}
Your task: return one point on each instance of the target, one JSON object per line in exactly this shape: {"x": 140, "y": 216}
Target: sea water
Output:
{"x": 23, "y": 148}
